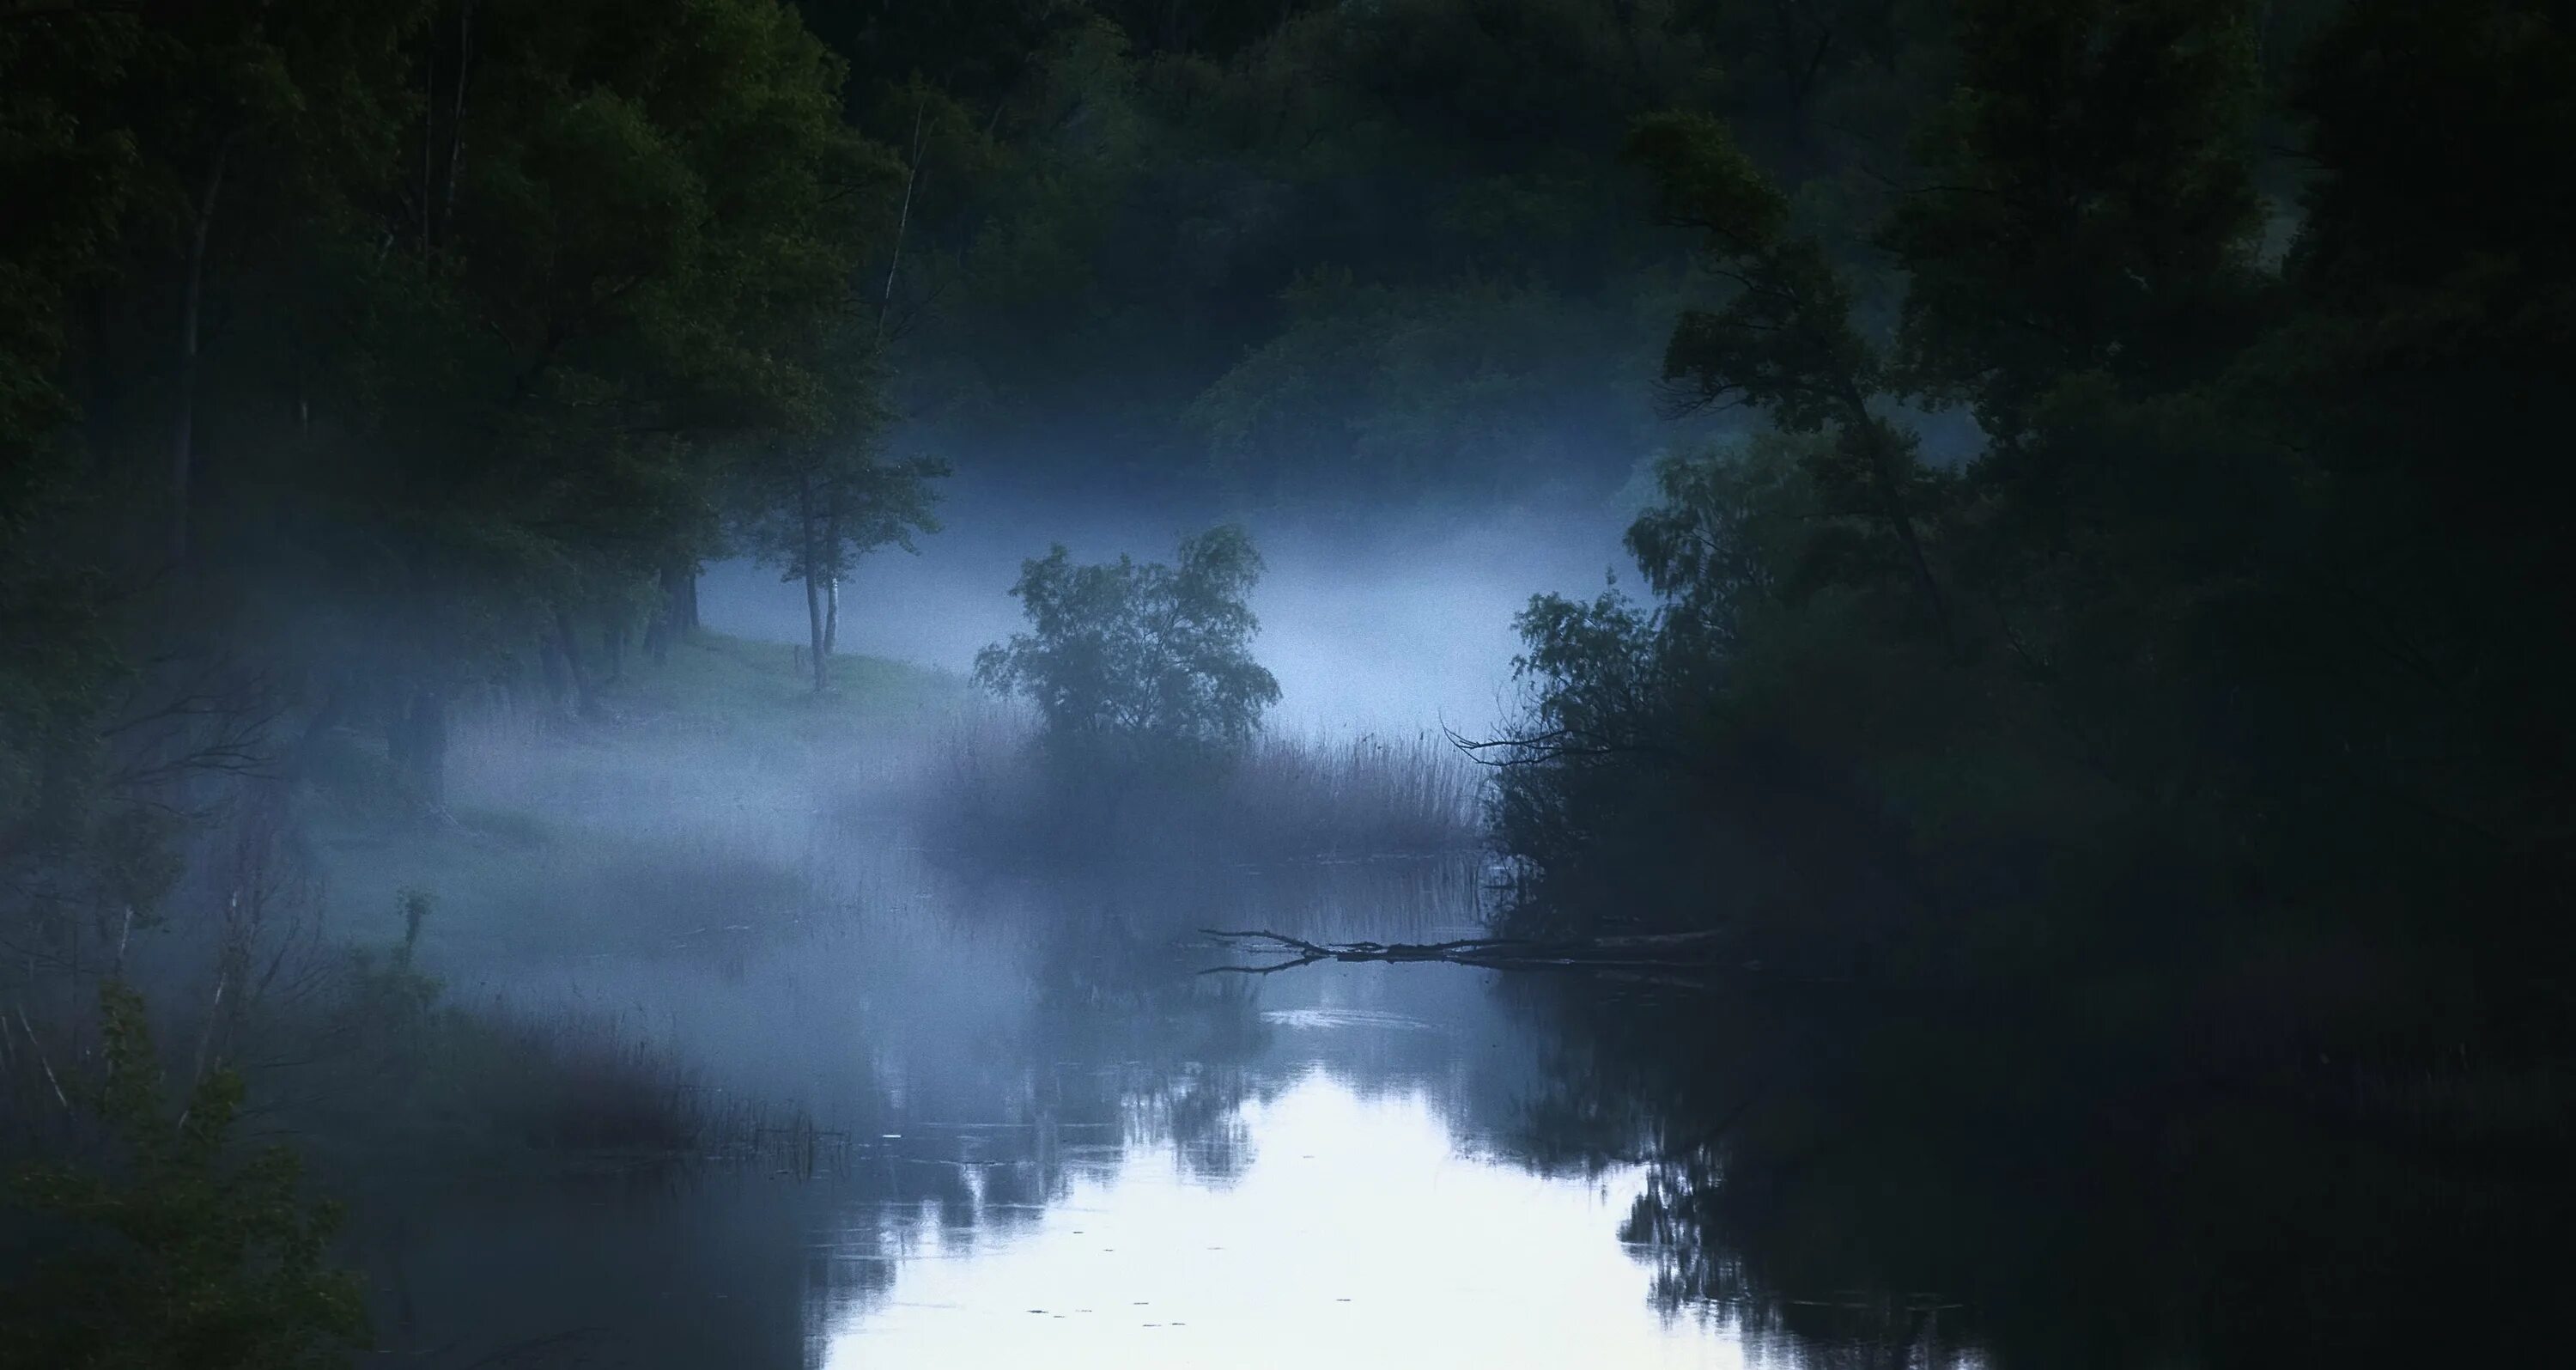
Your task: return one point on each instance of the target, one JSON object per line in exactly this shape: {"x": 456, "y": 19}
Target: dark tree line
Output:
{"x": 2225, "y": 675}
{"x": 1310, "y": 252}
{"x": 360, "y": 364}
{"x": 360, "y": 359}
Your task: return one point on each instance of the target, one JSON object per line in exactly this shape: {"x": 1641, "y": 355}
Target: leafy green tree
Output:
{"x": 427, "y": 332}
{"x": 606, "y": 276}
{"x": 1785, "y": 342}
{"x": 812, "y": 504}
{"x": 1130, "y": 662}
{"x": 180, "y": 1257}
{"x": 2090, "y": 203}
{"x": 2220, "y": 634}
{"x": 73, "y": 178}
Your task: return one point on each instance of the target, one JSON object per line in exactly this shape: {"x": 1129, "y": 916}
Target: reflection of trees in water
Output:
{"x": 1016, "y": 1037}
{"x": 673, "y": 1267}
{"x": 1127, "y": 1041}
{"x": 1858, "y": 1184}
{"x": 1696, "y": 1274}
{"x": 1112, "y": 1042}
{"x": 1143, "y": 1045}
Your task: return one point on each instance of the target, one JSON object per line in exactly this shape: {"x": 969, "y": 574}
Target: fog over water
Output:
{"x": 1049, "y": 1136}
{"x": 2071, "y": 864}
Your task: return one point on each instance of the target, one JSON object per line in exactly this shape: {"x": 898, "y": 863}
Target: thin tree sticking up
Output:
{"x": 812, "y": 507}
{"x": 456, "y": 121}
{"x": 903, "y": 217}
{"x": 183, "y": 449}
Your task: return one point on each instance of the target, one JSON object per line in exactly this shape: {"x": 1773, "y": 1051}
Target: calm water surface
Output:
{"x": 1067, "y": 1146}
{"x": 1053, "y": 1140}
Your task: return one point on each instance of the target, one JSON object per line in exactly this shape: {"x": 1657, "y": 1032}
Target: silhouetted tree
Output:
{"x": 1130, "y": 662}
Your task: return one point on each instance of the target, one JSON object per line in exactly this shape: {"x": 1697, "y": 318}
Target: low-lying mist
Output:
{"x": 1390, "y": 623}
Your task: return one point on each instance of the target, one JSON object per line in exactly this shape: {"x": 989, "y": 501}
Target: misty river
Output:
{"x": 1881, "y": 671}
{"x": 1079, "y": 1150}
{"x": 970, "y": 1110}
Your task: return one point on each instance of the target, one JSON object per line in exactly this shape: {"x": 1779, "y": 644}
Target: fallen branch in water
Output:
{"x": 1659, "y": 952}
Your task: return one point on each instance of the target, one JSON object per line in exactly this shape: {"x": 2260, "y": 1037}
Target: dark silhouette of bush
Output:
{"x": 173, "y": 1254}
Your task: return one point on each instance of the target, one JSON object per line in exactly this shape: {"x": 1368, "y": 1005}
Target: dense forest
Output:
{"x": 362, "y": 363}
{"x": 2223, "y": 671}
{"x": 2103, "y": 581}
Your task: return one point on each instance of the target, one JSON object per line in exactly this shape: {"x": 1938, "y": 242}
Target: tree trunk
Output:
{"x": 677, "y": 615}
{"x": 183, "y": 444}
{"x": 903, "y": 218}
{"x": 831, "y": 583}
{"x": 814, "y": 621}
{"x": 585, "y": 700}
{"x": 813, "y": 583}
{"x": 456, "y": 121}
{"x": 614, "y": 639}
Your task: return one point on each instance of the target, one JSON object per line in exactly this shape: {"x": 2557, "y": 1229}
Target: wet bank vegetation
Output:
{"x": 1142, "y": 737}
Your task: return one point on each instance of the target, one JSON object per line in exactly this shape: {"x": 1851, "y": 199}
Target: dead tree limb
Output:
{"x": 1655, "y": 952}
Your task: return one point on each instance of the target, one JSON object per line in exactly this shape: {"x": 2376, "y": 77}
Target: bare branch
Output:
{"x": 1679, "y": 956}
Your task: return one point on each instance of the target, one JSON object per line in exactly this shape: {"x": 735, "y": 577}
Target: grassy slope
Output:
{"x": 737, "y": 681}
{"x": 691, "y": 792}
{"x": 710, "y": 790}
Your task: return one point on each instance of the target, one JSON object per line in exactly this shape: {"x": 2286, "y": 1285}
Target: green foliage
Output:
{"x": 812, "y": 502}
{"x": 1786, "y": 341}
{"x": 72, "y": 178}
{"x": 480, "y": 302}
{"x": 2091, "y": 204}
{"x": 2221, "y": 643}
{"x": 180, "y": 1258}
{"x": 1129, "y": 662}
{"x": 1377, "y": 250}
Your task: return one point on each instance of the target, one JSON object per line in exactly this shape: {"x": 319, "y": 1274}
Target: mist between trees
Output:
{"x": 2102, "y": 583}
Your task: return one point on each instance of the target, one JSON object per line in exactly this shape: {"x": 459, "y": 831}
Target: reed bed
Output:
{"x": 1290, "y": 797}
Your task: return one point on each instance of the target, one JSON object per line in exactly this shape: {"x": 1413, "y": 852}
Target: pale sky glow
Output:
{"x": 1358, "y": 1236}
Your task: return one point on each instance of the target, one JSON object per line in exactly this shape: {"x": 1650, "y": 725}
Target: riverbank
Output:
{"x": 709, "y": 809}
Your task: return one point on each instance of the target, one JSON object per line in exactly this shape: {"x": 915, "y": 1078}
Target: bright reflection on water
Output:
{"x": 1068, "y": 1147}
{"x": 1055, "y": 1142}
{"x": 1359, "y": 1233}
